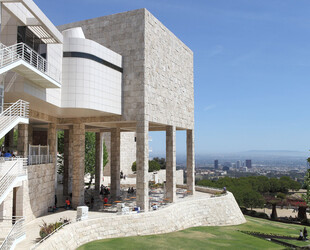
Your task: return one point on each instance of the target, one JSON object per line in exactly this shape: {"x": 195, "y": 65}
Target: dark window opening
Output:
{"x": 25, "y": 35}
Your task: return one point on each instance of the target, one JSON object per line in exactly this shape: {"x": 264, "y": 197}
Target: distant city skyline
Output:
{"x": 251, "y": 67}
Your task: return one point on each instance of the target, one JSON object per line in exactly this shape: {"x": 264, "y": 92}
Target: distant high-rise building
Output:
{"x": 216, "y": 164}
{"x": 248, "y": 163}
{"x": 238, "y": 164}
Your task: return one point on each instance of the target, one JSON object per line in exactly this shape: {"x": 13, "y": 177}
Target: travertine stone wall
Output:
{"x": 168, "y": 76}
{"x": 155, "y": 62}
{"x": 142, "y": 164}
{"x": 190, "y": 151}
{"x": 124, "y": 34}
{"x": 128, "y": 152}
{"x": 115, "y": 161}
{"x": 78, "y": 151}
{"x": 171, "y": 163}
{"x": 22, "y": 142}
{"x": 217, "y": 211}
{"x": 38, "y": 190}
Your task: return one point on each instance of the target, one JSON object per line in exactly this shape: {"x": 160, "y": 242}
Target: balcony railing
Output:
{"x": 21, "y": 51}
{"x": 12, "y": 230}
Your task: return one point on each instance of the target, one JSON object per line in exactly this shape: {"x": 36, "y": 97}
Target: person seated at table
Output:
{"x": 129, "y": 190}
{"x": 132, "y": 190}
{"x": 68, "y": 203}
{"x": 8, "y": 154}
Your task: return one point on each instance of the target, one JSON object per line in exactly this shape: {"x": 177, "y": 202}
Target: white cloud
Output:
{"x": 207, "y": 108}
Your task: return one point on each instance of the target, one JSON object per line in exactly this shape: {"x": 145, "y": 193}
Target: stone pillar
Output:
{"x": 99, "y": 161}
{"x": 78, "y": 155}
{"x": 30, "y": 134}
{"x": 67, "y": 176}
{"x": 170, "y": 164}
{"x": 22, "y": 144}
{"x": 190, "y": 161}
{"x": 9, "y": 140}
{"x": 20, "y": 200}
{"x": 52, "y": 141}
{"x": 142, "y": 154}
{"x": 115, "y": 161}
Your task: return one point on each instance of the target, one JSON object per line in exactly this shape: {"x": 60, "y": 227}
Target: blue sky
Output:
{"x": 252, "y": 67}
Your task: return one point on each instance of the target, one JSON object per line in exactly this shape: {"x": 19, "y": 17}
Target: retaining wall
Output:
{"x": 217, "y": 211}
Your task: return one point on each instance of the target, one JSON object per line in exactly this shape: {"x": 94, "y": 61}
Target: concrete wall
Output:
{"x": 38, "y": 190}
{"x": 217, "y": 211}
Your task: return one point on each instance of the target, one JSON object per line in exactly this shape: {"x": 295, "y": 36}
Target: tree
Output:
{"x": 105, "y": 159}
{"x": 153, "y": 166}
{"x": 161, "y": 161}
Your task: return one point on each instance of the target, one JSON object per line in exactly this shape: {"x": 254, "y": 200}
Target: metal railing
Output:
{"x": 21, "y": 51}
{"x": 9, "y": 172}
{"x": 13, "y": 111}
{"x": 39, "y": 154}
{"x": 14, "y": 232}
{"x": 39, "y": 159}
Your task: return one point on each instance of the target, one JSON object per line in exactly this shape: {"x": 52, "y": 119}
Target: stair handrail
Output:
{"x": 12, "y": 53}
{"x": 16, "y": 232}
{"x": 19, "y": 109}
{"x": 17, "y": 160}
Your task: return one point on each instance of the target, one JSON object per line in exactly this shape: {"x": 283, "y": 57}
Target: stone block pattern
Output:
{"x": 217, "y": 211}
{"x": 78, "y": 164}
{"x": 155, "y": 62}
{"x": 128, "y": 152}
{"x": 115, "y": 162}
{"x": 38, "y": 190}
{"x": 171, "y": 163}
{"x": 168, "y": 76}
{"x": 124, "y": 34}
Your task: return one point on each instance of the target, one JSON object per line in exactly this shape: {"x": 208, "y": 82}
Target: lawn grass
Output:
{"x": 206, "y": 238}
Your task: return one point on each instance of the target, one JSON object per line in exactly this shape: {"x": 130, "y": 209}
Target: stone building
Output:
{"x": 119, "y": 76}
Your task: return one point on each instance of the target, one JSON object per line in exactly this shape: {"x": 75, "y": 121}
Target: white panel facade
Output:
{"x": 88, "y": 83}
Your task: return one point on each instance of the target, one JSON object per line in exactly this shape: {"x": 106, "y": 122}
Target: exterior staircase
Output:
{"x": 13, "y": 114}
{"x": 12, "y": 171}
{"x": 12, "y": 232}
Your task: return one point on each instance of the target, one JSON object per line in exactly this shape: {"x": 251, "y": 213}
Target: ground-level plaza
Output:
{"x": 201, "y": 209}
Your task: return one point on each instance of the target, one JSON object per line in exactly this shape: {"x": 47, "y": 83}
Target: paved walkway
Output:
{"x": 33, "y": 227}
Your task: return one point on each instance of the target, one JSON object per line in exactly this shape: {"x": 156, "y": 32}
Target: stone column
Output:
{"x": 115, "y": 161}
{"x": 9, "y": 140}
{"x": 142, "y": 164}
{"x": 170, "y": 164}
{"x": 190, "y": 161}
{"x": 52, "y": 141}
{"x": 67, "y": 175}
{"x": 22, "y": 144}
{"x": 99, "y": 160}
{"x": 78, "y": 156}
{"x": 30, "y": 134}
